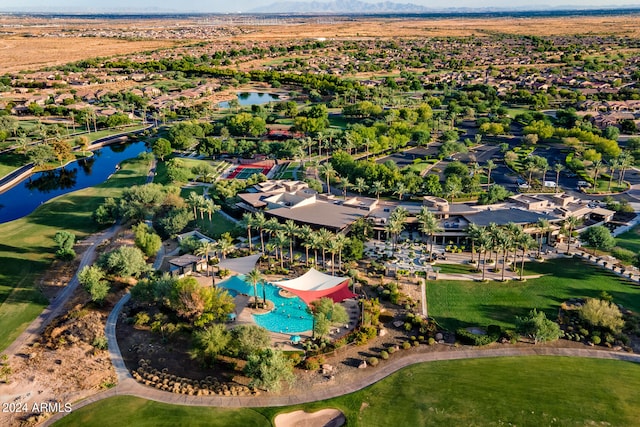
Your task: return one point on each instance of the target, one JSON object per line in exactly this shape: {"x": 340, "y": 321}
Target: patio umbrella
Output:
{"x": 295, "y": 339}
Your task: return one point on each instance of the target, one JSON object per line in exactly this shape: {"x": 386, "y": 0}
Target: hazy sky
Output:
{"x": 244, "y": 5}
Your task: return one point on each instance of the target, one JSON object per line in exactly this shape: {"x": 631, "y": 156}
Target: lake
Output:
{"x": 252, "y": 98}
{"x": 41, "y": 187}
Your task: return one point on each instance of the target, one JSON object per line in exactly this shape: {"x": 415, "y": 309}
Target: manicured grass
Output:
{"x": 455, "y": 268}
{"x": 522, "y": 391}
{"x": 128, "y": 411}
{"x": 10, "y": 162}
{"x": 456, "y": 304}
{"x": 27, "y": 247}
{"x": 630, "y": 240}
{"x": 218, "y": 225}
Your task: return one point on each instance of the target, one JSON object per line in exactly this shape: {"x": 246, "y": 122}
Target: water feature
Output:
{"x": 41, "y": 187}
{"x": 289, "y": 315}
{"x": 252, "y": 98}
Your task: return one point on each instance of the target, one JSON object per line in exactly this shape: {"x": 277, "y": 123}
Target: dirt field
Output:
{"x": 30, "y": 43}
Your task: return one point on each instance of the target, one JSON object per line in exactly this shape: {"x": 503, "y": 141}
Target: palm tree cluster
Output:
{"x": 287, "y": 234}
{"x": 501, "y": 241}
{"x": 201, "y": 205}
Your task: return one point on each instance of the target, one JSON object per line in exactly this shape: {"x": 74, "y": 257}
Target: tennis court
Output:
{"x": 244, "y": 172}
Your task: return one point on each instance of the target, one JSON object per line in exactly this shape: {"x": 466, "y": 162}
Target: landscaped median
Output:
{"x": 27, "y": 247}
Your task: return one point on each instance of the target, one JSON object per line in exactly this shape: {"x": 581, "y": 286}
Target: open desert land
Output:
{"x": 32, "y": 43}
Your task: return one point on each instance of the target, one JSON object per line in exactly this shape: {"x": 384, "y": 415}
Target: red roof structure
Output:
{"x": 314, "y": 285}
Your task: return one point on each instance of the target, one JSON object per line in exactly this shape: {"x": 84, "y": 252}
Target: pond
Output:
{"x": 41, "y": 187}
{"x": 252, "y": 98}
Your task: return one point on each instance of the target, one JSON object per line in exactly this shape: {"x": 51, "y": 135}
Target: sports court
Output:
{"x": 245, "y": 171}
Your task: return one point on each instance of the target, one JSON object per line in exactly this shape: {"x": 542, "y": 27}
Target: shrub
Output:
{"x": 100, "y": 343}
{"x": 391, "y": 350}
{"x": 142, "y": 318}
{"x": 384, "y": 355}
{"x": 416, "y": 343}
{"x": 432, "y": 341}
{"x": 406, "y": 345}
{"x": 624, "y": 255}
{"x": 373, "y": 361}
{"x": 311, "y": 364}
{"x": 469, "y": 338}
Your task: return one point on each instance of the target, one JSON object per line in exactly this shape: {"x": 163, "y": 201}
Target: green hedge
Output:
{"x": 469, "y": 338}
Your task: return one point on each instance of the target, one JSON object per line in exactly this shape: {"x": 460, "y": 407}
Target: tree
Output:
{"x": 255, "y": 277}
{"x": 124, "y": 261}
{"x": 175, "y": 221}
{"x": 209, "y": 343}
{"x": 248, "y": 339}
{"x": 429, "y": 225}
{"x": 268, "y": 369}
{"x": 490, "y": 165}
{"x": 65, "y": 241}
{"x": 41, "y": 154}
{"x": 452, "y": 187}
{"x": 598, "y": 237}
{"x": 205, "y": 249}
{"x": 377, "y": 187}
{"x": 603, "y": 314}
{"x": 92, "y": 280}
{"x": 326, "y": 313}
{"x": 538, "y": 327}
{"x": 543, "y": 229}
{"x": 292, "y": 229}
{"x": 558, "y": 167}
{"x": 360, "y": 185}
{"x": 494, "y": 194}
{"x": 329, "y": 173}
{"x": 145, "y": 239}
{"x": 162, "y": 148}
{"x": 571, "y": 223}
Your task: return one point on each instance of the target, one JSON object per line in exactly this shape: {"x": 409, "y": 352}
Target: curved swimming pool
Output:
{"x": 289, "y": 315}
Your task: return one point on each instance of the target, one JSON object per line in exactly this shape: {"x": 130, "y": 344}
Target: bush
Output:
{"x": 373, "y": 361}
{"x": 384, "y": 355}
{"x": 406, "y": 345}
{"x": 100, "y": 343}
{"x": 311, "y": 364}
{"x": 391, "y": 350}
{"x": 624, "y": 255}
{"x": 142, "y": 318}
{"x": 432, "y": 341}
{"x": 469, "y": 338}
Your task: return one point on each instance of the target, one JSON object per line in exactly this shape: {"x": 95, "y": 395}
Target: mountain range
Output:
{"x": 341, "y": 7}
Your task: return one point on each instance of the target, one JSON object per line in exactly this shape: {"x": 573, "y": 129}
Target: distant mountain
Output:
{"x": 341, "y": 7}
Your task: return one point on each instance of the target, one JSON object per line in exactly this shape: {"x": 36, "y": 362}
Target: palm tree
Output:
{"x": 429, "y": 225}
{"x": 377, "y": 187}
{"x": 332, "y": 247}
{"x": 360, "y": 185}
{"x": 305, "y": 234}
{"x": 345, "y": 186}
{"x": 325, "y": 236}
{"x": 490, "y": 165}
{"x": 484, "y": 245}
{"x": 400, "y": 190}
{"x": 205, "y": 248}
{"x": 280, "y": 239}
{"x": 395, "y": 225}
{"x": 329, "y": 172}
{"x": 272, "y": 226}
{"x": 626, "y": 160}
{"x": 524, "y": 242}
{"x": 544, "y": 227}
{"x": 494, "y": 230}
{"x": 315, "y": 243}
{"x": 194, "y": 200}
{"x": 259, "y": 222}
{"x": 504, "y": 242}
{"x": 558, "y": 168}
{"x": 210, "y": 208}
{"x": 254, "y": 277}
{"x": 341, "y": 241}
{"x": 615, "y": 164}
{"x": 596, "y": 171}
{"x": 248, "y": 222}
{"x": 292, "y": 229}
{"x": 571, "y": 222}
{"x": 225, "y": 246}
{"x": 474, "y": 232}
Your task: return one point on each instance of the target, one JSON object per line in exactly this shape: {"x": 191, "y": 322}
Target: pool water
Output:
{"x": 289, "y": 314}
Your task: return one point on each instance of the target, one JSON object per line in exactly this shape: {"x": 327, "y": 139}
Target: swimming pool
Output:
{"x": 289, "y": 315}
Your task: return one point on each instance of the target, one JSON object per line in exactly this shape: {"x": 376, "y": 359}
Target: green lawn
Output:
{"x": 10, "y": 162}
{"x": 455, "y": 268}
{"x": 630, "y": 240}
{"x": 218, "y": 225}
{"x": 519, "y": 391}
{"x": 456, "y": 304}
{"x": 27, "y": 247}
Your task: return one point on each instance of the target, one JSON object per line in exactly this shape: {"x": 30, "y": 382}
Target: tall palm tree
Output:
{"x": 316, "y": 244}
{"x": 597, "y": 165}
{"x": 328, "y": 172}
{"x": 272, "y": 226}
{"x": 543, "y": 226}
{"x": 193, "y": 201}
{"x": 259, "y": 222}
{"x": 291, "y": 229}
{"x": 345, "y": 186}
{"x": 557, "y": 167}
{"x": 248, "y": 222}
{"x": 377, "y": 187}
{"x": 360, "y": 185}
{"x": 484, "y": 246}
{"x": 225, "y": 246}
{"x": 281, "y": 240}
{"x": 429, "y": 225}
{"x": 332, "y": 247}
{"x": 504, "y": 242}
{"x": 524, "y": 242}
{"x": 254, "y": 277}
{"x": 571, "y": 223}
{"x": 341, "y": 241}
{"x": 205, "y": 249}
{"x": 325, "y": 236}
{"x": 305, "y": 232}
{"x": 210, "y": 208}
{"x": 615, "y": 164}
{"x": 473, "y": 232}
{"x": 395, "y": 225}
{"x": 493, "y": 230}
{"x": 490, "y": 165}
{"x": 400, "y": 190}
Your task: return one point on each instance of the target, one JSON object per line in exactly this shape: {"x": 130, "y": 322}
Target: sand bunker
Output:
{"x": 322, "y": 418}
